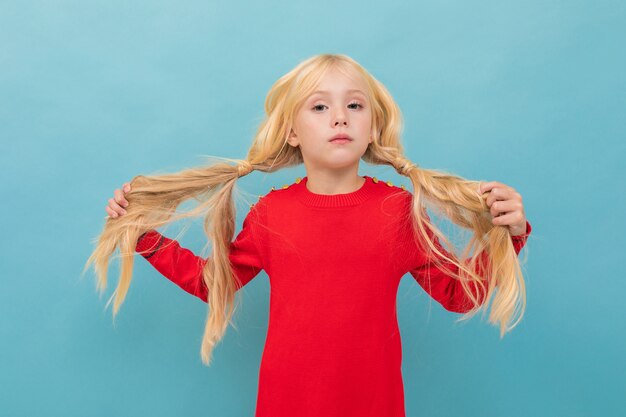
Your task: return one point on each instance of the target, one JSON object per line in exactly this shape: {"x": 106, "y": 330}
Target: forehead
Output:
{"x": 340, "y": 82}
{"x": 338, "y": 92}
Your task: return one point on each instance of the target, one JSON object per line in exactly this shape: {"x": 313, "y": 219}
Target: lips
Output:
{"x": 341, "y": 137}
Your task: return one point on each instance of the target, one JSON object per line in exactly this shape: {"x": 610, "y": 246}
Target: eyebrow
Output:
{"x": 347, "y": 91}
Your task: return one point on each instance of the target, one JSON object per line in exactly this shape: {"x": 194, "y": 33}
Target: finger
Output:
{"x": 120, "y": 199}
{"x": 126, "y": 187}
{"x": 490, "y": 185}
{"x": 507, "y": 219}
{"x": 499, "y": 194}
{"x": 504, "y": 207}
{"x": 486, "y": 186}
{"x": 112, "y": 213}
{"x": 116, "y": 207}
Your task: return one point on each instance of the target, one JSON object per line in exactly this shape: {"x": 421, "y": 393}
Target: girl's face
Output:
{"x": 338, "y": 106}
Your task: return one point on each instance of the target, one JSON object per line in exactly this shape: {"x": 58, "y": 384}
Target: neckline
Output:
{"x": 309, "y": 198}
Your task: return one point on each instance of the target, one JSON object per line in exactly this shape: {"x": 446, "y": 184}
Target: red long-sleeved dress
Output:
{"x": 334, "y": 263}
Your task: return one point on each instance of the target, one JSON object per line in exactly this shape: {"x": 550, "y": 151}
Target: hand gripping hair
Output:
{"x": 155, "y": 198}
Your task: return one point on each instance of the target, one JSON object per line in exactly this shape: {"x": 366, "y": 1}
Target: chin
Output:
{"x": 343, "y": 162}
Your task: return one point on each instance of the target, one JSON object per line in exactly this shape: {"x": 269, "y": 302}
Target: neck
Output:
{"x": 330, "y": 183}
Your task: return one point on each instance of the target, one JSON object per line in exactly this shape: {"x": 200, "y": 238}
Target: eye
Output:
{"x": 354, "y": 103}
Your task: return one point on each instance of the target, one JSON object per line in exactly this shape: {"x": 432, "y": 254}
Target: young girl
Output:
{"x": 334, "y": 244}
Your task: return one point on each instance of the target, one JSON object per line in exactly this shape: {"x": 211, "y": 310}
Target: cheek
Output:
{"x": 365, "y": 121}
{"x": 309, "y": 124}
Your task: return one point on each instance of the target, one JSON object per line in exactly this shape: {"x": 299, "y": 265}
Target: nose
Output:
{"x": 340, "y": 118}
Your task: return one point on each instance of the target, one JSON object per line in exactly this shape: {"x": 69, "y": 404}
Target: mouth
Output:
{"x": 341, "y": 138}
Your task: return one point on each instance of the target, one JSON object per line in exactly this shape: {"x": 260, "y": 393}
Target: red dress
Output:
{"x": 334, "y": 263}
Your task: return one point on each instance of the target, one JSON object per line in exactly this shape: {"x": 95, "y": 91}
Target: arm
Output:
{"x": 184, "y": 268}
{"x": 445, "y": 289}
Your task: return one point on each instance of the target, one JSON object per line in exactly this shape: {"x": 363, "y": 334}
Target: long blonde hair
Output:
{"x": 155, "y": 198}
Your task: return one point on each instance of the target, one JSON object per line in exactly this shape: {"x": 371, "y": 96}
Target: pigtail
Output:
{"x": 153, "y": 201}
{"x": 459, "y": 200}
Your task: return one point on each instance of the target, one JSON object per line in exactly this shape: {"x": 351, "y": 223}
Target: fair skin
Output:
{"x": 505, "y": 205}
{"x": 341, "y": 107}
{"x": 332, "y": 168}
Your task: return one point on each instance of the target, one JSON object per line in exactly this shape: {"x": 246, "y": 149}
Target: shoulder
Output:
{"x": 393, "y": 194}
{"x": 396, "y": 202}
{"x": 274, "y": 194}
{"x": 388, "y": 185}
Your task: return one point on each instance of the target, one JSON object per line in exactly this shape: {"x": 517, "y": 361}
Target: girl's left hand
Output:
{"x": 505, "y": 206}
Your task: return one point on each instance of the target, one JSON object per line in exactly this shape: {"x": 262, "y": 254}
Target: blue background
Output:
{"x": 531, "y": 94}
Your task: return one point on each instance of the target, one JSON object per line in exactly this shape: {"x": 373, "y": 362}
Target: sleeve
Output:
{"x": 443, "y": 288}
{"x": 184, "y": 268}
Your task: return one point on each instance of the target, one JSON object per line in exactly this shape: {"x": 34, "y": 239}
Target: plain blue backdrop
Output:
{"x": 531, "y": 94}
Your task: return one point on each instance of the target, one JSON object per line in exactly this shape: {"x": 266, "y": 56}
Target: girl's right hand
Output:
{"x": 114, "y": 208}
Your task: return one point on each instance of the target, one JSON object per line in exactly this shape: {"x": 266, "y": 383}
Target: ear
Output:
{"x": 293, "y": 139}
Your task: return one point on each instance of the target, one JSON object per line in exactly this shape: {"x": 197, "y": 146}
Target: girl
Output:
{"x": 334, "y": 244}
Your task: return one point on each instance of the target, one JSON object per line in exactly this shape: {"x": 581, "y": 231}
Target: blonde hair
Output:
{"x": 154, "y": 198}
